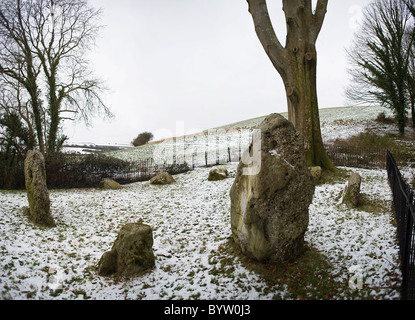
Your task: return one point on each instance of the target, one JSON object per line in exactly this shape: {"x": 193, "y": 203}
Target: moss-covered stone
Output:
{"x": 218, "y": 174}
{"x": 316, "y": 173}
{"x": 162, "y": 179}
{"x": 132, "y": 252}
{"x": 109, "y": 184}
{"x": 351, "y": 195}
{"x": 37, "y": 191}
{"x": 269, "y": 209}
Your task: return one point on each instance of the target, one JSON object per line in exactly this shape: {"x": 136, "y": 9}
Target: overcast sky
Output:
{"x": 201, "y": 63}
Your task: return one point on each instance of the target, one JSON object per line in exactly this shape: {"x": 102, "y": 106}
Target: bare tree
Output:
{"x": 57, "y": 35}
{"x": 14, "y": 100}
{"x": 63, "y": 32}
{"x": 17, "y": 61}
{"x": 380, "y": 56}
{"x": 296, "y": 62}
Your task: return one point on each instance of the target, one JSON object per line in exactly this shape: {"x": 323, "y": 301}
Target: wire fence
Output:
{"x": 175, "y": 156}
{"x": 81, "y": 176}
{"x": 403, "y": 199}
{"x": 358, "y": 157}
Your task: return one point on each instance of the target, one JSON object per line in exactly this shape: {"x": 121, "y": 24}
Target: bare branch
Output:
{"x": 319, "y": 15}
{"x": 266, "y": 34}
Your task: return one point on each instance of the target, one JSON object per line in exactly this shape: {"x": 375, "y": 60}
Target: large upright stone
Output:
{"x": 37, "y": 191}
{"x": 269, "y": 210}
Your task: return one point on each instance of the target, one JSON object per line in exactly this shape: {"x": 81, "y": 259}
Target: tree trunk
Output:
{"x": 297, "y": 66}
{"x": 30, "y": 84}
{"x": 302, "y": 101}
{"x": 31, "y": 79}
{"x": 53, "y": 113}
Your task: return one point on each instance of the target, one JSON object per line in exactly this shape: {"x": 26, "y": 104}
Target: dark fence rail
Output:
{"x": 72, "y": 177}
{"x": 403, "y": 199}
{"x": 88, "y": 171}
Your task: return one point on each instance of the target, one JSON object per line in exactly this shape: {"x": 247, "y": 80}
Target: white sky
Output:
{"x": 201, "y": 63}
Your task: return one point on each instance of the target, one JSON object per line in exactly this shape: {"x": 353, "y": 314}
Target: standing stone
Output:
{"x": 351, "y": 195}
{"x": 269, "y": 210}
{"x": 37, "y": 191}
{"x": 131, "y": 254}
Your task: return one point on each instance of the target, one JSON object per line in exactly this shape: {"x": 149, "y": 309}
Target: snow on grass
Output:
{"x": 342, "y": 123}
{"x": 336, "y": 123}
{"x": 192, "y": 149}
{"x": 356, "y": 238}
{"x": 191, "y": 220}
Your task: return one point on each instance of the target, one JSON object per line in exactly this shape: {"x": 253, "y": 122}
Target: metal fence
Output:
{"x": 403, "y": 199}
{"x": 81, "y": 176}
{"x": 358, "y": 157}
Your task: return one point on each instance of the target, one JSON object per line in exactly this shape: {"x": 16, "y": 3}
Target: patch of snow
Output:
{"x": 275, "y": 153}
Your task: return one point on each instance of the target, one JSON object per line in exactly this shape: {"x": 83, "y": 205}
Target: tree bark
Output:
{"x": 297, "y": 65}
{"x": 31, "y": 79}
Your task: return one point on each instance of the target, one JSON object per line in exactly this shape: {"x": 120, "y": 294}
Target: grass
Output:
{"x": 332, "y": 177}
{"x": 311, "y": 277}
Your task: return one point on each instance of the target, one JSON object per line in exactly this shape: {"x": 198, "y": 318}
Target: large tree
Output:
{"x": 411, "y": 79}
{"x": 43, "y": 46}
{"x": 380, "y": 55}
{"x": 296, "y": 62}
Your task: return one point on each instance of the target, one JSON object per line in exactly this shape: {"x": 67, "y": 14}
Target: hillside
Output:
{"x": 335, "y": 123}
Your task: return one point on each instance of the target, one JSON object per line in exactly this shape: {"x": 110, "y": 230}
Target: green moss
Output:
{"x": 310, "y": 277}
{"x": 218, "y": 174}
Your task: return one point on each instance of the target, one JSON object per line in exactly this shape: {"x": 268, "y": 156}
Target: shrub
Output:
{"x": 177, "y": 168}
{"x": 82, "y": 171}
{"x": 142, "y": 138}
{"x": 367, "y": 150}
{"x": 382, "y": 118}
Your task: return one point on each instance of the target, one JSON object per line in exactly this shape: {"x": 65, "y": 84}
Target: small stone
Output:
{"x": 316, "y": 173}
{"x": 109, "y": 184}
{"x": 132, "y": 252}
{"x": 218, "y": 174}
{"x": 162, "y": 178}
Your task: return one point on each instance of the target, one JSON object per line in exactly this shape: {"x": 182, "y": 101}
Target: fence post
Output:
{"x": 405, "y": 213}
{"x": 240, "y": 138}
{"x": 217, "y": 150}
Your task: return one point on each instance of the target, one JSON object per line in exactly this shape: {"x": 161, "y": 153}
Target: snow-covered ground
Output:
{"x": 336, "y": 123}
{"x": 191, "y": 221}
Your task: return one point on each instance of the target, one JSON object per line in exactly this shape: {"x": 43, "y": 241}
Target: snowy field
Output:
{"x": 191, "y": 221}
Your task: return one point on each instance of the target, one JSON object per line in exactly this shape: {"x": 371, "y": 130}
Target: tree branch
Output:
{"x": 319, "y": 15}
{"x": 266, "y": 34}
